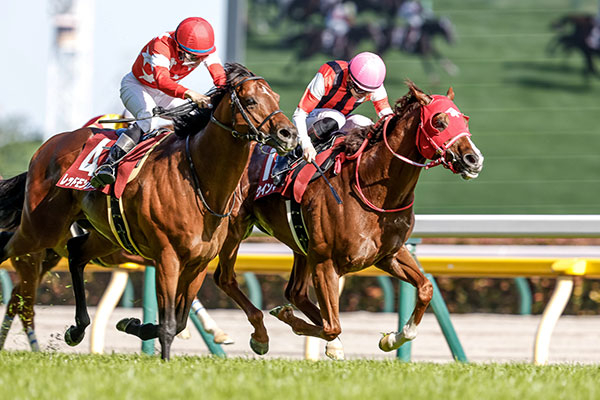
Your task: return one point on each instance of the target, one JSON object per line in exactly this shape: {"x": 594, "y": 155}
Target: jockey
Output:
{"x": 335, "y": 91}
{"x": 153, "y": 81}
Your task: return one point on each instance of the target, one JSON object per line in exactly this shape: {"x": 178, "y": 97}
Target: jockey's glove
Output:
{"x": 201, "y": 100}
{"x": 308, "y": 151}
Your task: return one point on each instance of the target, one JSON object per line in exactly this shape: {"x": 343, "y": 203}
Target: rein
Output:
{"x": 254, "y": 134}
{"x": 441, "y": 160}
{"x": 358, "y": 156}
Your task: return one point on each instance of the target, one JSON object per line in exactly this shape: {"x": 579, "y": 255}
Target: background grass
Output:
{"x": 532, "y": 115}
{"x": 26, "y": 375}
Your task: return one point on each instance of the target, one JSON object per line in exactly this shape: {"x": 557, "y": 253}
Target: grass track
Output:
{"x": 26, "y": 375}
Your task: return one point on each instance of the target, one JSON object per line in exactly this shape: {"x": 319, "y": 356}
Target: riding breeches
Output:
{"x": 140, "y": 100}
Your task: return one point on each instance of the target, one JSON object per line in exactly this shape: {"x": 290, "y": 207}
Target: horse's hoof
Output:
{"x": 221, "y": 337}
{"x": 386, "y": 343}
{"x": 124, "y": 323}
{"x": 72, "y": 338}
{"x": 258, "y": 347}
{"x": 334, "y": 350}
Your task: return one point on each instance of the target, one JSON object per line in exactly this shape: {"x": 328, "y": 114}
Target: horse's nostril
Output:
{"x": 471, "y": 159}
{"x": 284, "y": 133}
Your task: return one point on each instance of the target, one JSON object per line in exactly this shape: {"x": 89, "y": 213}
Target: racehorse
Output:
{"x": 376, "y": 184}
{"x": 572, "y": 34}
{"x": 424, "y": 47}
{"x": 178, "y": 202}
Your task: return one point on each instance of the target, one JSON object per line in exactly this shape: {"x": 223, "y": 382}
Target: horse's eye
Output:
{"x": 440, "y": 121}
{"x": 250, "y": 102}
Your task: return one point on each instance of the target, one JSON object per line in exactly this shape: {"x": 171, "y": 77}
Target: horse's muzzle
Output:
{"x": 471, "y": 165}
{"x": 286, "y": 140}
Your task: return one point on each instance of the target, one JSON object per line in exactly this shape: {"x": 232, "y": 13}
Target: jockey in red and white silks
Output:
{"x": 336, "y": 90}
{"x": 163, "y": 62}
{"x": 154, "y": 81}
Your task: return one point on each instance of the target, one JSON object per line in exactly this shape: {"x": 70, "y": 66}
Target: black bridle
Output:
{"x": 254, "y": 134}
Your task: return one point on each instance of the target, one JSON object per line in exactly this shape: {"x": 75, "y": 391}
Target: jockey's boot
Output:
{"x": 279, "y": 169}
{"x": 322, "y": 130}
{"x": 106, "y": 173}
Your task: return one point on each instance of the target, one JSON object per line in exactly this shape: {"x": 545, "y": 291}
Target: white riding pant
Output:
{"x": 140, "y": 100}
{"x": 346, "y": 123}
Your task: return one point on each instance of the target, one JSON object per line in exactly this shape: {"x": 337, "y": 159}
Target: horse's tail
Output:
{"x": 12, "y": 196}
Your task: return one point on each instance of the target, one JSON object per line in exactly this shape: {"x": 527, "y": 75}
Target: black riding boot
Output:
{"x": 279, "y": 169}
{"x": 106, "y": 174}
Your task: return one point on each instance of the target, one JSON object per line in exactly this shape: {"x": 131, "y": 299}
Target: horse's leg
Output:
{"x": 297, "y": 293}
{"x": 224, "y": 277}
{"x": 167, "y": 278}
{"x": 189, "y": 285}
{"x": 325, "y": 282}
{"x": 403, "y": 266}
{"x": 296, "y": 290}
{"x": 82, "y": 249}
{"x": 31, "y": 269}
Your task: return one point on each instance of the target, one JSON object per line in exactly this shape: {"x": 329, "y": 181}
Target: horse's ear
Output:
{"x": 450, "y": 93}
{"x": 422, "y": 97}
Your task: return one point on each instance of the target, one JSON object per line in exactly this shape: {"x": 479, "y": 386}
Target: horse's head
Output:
{"x": 253, "y": 109}
{"x": 443, "y": 134}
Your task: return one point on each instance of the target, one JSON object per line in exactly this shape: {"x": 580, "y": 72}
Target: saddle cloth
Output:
{"x": 296, "y": 179}
{"x": 95, "y": 151}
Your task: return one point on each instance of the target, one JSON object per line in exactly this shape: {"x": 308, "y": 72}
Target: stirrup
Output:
{"x": 104, "y": 175}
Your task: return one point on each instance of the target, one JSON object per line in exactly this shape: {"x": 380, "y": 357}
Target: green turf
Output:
{"x": 532, "y": 115}
{"x": 26, "y": 375}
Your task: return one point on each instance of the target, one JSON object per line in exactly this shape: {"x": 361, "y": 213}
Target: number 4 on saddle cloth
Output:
{"x": 300, "y": 173}
{"x": 95, "y": 151}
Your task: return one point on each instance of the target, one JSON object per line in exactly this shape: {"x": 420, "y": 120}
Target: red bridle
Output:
{"x": 430, "y": 141}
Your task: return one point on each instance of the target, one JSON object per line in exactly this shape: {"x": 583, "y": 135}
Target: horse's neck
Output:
{"x": 390, "y": 179}
{"x": 219, "y": 160}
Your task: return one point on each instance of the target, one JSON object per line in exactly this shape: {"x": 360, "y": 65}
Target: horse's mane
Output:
{"x": 403, "y": 107}
{"x": 197, "y": 119}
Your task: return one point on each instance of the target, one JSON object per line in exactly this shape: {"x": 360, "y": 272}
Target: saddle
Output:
{"x": 298, "y": 173}
{"x": 96, "y": 150}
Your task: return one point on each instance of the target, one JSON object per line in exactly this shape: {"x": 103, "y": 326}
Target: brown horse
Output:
{"x": 358, "y": 233}
{"x": 176, "y": 207}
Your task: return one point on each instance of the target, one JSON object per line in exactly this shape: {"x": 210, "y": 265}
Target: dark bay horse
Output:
{"x": 176, "y": 207}
{"x": 371, "y": 227}
{"x": 572, "y": 32}
{"x": 425, "y": 47}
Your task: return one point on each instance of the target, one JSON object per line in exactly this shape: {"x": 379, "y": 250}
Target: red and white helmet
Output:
{"x": 367, "y": 71}
{"x": 195, "y": 35}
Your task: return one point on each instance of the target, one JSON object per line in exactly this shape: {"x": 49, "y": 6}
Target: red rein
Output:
{"x": 358, "y": 156}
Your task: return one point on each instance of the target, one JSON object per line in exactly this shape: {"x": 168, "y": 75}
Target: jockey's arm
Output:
{"x": 310, "y": 99}
{"x": 380, "y": 102}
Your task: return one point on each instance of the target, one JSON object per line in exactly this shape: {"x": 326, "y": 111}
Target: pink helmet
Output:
{"x": 195, "y": 35}
{"x": 367, "y": 71}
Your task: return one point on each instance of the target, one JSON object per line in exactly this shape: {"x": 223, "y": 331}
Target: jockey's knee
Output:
{"x": 356, "y": 121}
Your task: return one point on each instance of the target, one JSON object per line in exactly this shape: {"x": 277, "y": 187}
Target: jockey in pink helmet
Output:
{"x": 335, "y": 91}
{"x": 154, "y": 81}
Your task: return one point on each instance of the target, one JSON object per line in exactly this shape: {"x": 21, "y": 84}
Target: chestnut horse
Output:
{"x": 370, "y": 227}
{"x": 176, "y": 207}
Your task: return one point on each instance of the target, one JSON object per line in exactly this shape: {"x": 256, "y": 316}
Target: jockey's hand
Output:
{"x": 309, "y": 153}
{"x": 201, "y": 100}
